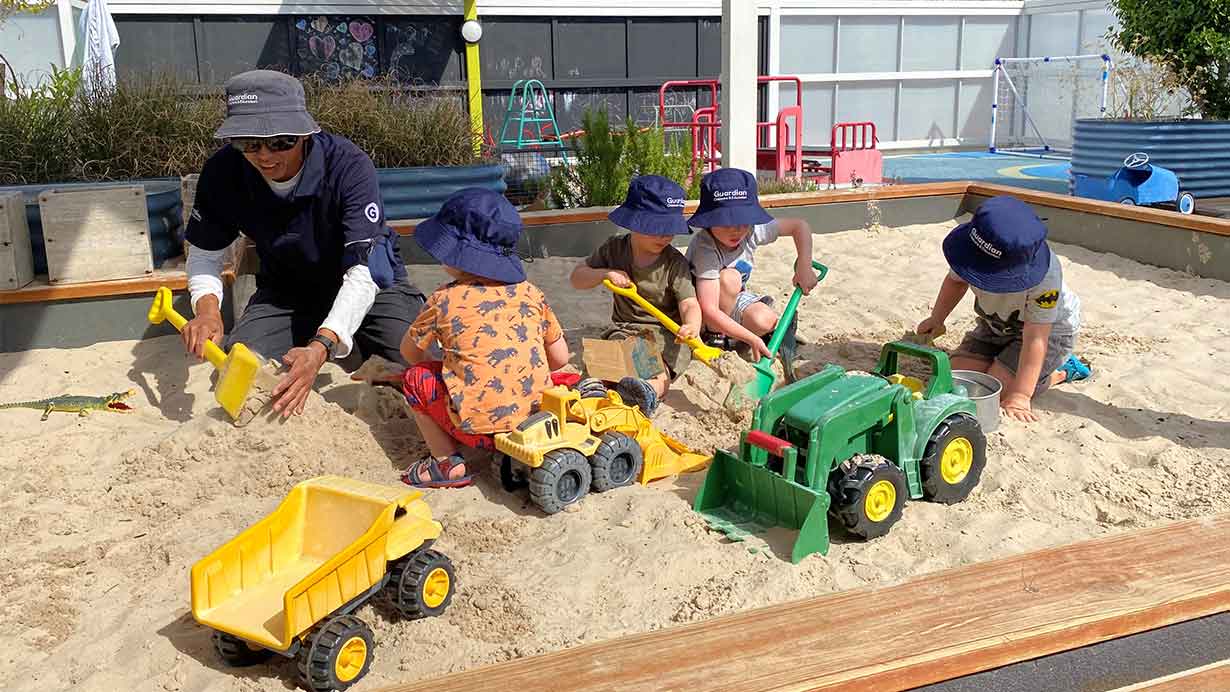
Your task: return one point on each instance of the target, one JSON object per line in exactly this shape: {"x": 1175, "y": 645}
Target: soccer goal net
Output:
{"x": 1036, "y": 101}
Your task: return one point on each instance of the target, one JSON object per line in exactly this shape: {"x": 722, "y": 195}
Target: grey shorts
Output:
{"x": 983, "y": 344}
{"x": 675, "y": 355}
{"x": 745, "y": 299}
{"x": 271, "y": 326}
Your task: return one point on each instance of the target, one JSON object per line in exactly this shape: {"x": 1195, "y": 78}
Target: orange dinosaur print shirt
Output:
{"x": 494, "y": 339}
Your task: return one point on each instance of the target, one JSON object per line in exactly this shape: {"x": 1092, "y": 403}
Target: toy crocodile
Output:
{"x": 81, "y": 405}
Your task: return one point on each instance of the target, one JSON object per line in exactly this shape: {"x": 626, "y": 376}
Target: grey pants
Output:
{"x": 271, "y": 327}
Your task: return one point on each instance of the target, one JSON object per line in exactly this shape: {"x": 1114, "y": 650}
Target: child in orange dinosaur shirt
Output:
{"x": 499, "y": 337}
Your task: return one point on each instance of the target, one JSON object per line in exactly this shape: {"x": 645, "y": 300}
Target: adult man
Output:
{"x": 331, "y": 277}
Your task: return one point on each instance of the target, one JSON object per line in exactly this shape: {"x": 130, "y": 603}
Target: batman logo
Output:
{"x": 1047, "y": 300}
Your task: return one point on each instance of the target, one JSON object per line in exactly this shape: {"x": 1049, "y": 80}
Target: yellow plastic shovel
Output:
{"x": 699, "y": 349}
{"x": 237, "y": 370}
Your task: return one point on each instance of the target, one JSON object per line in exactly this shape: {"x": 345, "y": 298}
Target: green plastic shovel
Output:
{"x": 743, "y": 396}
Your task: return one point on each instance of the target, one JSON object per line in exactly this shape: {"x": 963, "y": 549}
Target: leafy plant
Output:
{"x": 606, "y": 160}
{"x": 1190, "y": 38}
{"x": 773, "y": 186}
{"x": 159, "y": 126}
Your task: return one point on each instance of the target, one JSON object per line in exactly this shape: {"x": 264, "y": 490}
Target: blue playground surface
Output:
{"x": 1047, "y": 175}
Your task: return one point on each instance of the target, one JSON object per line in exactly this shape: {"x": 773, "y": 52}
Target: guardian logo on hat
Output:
{"x": 728, "y": 198}
{"x": 242, "y": 98}
{"x": 653, "y": 206}
{"x": 1002, "y": 250}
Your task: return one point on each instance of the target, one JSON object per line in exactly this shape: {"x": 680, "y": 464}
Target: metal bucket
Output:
{"x": 984, "y": 391}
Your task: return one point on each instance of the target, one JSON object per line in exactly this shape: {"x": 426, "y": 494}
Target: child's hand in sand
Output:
{"x": 930, "y": 325}
{"x": 1018, "y": 407}
{"x": 618, "y": 278}
{"x": 759, "y": 349}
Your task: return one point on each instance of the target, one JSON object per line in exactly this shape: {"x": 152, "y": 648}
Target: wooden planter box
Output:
{"x": 96, "y": 234}
{"x": 16, "y": 259}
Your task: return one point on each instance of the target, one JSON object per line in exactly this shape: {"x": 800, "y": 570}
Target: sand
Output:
{"x": 101, "y": 517}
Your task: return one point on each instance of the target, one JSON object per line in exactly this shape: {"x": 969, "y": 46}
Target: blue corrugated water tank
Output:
{"x": 1198, "y": 151}
{"x": 416, "y": 193}
{"x": 162, "y": 200}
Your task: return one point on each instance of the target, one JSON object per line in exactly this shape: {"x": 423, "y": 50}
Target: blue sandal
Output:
{"x": 1075, "y": 369}
{"x": 437, "y": 473}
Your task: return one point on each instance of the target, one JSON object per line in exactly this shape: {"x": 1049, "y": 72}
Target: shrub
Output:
{"x": 158, "y": 126}
{"x": 606, "y": 160}
{"x": 1190, "y": 38}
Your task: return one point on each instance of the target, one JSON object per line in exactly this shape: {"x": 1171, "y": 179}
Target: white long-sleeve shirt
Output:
{"x": 354, "y": 299}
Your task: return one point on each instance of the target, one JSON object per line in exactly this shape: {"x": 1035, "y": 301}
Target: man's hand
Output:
{"x": 805, "y": 276}
{"x": 618, "y": 278}
{"x": 291, "y": 393}
{"x": 206, "y": 325}
{"x": 1017, "y": 407}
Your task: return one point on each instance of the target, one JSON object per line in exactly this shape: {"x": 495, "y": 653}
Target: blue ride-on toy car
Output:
{"x": 1138, "y": 182}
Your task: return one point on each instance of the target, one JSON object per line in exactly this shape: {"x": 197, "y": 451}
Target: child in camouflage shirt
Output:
{"x": 653, "y": 212}
{"x": 499, "y": 337}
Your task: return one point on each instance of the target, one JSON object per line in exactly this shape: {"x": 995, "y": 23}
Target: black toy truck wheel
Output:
{"x": 563, "y": 479}
{"x": 337, "y": 655}
{"x": 422, "y": 583}
{"x": 869, "y": 495}
{"x": 236, "y": 652}
{"x": 591, "y": 388}
{"x": 511, "y": 478}
{"x": 616, "y": 463}
{"x": 956, "y": 455}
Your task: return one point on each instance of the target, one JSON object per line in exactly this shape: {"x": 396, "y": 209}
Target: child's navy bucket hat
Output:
{"x": 476, "y": 230}
{"x": 1002, "y": 249}
{"x": 728, "y": 198}
{"x": 653, "y": 206}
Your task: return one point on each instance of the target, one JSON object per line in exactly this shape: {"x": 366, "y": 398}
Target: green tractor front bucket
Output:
{"x": 740, "y": 498}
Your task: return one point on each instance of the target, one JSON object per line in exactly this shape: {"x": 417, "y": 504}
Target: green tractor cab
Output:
{"x": 850, "y": 445}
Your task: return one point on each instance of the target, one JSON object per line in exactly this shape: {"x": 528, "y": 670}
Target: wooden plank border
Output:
{"x": 929, "y": 629}
{"x": 796, "y": 199}
{"x": 1157, "y": 217}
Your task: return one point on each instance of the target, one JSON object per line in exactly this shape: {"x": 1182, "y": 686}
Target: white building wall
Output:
{"x": 32, "y": 45}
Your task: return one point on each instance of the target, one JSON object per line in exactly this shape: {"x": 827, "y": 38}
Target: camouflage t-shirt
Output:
{"x": 494, "y": 339}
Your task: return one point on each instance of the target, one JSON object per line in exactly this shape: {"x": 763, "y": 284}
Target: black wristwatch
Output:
{"x": 326, "y": 342}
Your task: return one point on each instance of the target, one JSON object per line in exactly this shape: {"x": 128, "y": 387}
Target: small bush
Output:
{"x": 606, "y": 160}
{"x": 159, "y": 126}
{"x": 773, "y": 186}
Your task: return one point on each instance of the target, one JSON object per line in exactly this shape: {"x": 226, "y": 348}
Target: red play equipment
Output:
{"x": 852, "y": 154}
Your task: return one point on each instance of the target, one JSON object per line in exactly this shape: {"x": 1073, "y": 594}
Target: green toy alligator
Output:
{"x": 81, "y": 405}
{"x": 853, "y": 445}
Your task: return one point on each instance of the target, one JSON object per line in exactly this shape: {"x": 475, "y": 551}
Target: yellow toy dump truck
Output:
{"x": 575, "y": 444}
{"x": 289, "y": 583}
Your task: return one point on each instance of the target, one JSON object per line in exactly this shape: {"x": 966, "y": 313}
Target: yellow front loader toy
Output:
{"x": 289, "y": 583}
{"x": 575, "y": 444}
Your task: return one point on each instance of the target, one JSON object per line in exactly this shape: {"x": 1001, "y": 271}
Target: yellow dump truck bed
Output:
{"x": 326, "y": 544}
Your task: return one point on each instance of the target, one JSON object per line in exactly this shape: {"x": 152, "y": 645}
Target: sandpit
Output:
{"x": 101, "y": 517}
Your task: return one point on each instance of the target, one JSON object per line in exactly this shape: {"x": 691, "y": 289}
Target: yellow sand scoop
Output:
{"x": 237, "y": 369}
{"x": 699, "y": 349}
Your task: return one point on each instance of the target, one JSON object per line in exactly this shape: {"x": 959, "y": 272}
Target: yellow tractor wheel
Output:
{"x": 869, "y": 495}
{"x": 956, "y": 455}
{"x": 337, "y": 655}
{"x": 237, "y": 653}
{"x": 422, "y": 583}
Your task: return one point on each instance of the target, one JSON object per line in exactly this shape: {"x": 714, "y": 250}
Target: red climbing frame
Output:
{"x": 779, "y": 142}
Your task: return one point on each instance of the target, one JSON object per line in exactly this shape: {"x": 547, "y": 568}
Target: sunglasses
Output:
{"x": 252, "y": 145}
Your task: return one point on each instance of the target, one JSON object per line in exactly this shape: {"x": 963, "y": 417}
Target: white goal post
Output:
{"x": 1034, "y": 101}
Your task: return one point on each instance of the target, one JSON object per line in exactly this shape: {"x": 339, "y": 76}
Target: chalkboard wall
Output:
{"x": 589, "y": 62}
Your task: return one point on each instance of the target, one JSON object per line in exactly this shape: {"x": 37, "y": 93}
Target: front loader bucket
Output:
{"x": 739, "y": 498}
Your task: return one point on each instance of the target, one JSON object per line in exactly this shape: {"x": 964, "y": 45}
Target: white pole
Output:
{"x": 1106, "y": 66}
{"x": 68, "y": 31}
{"x": 994, "y": 103}
{"x": 738, "y": 98}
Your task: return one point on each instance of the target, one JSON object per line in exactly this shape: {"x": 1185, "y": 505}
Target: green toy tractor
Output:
{"x": 853, "y": 445}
